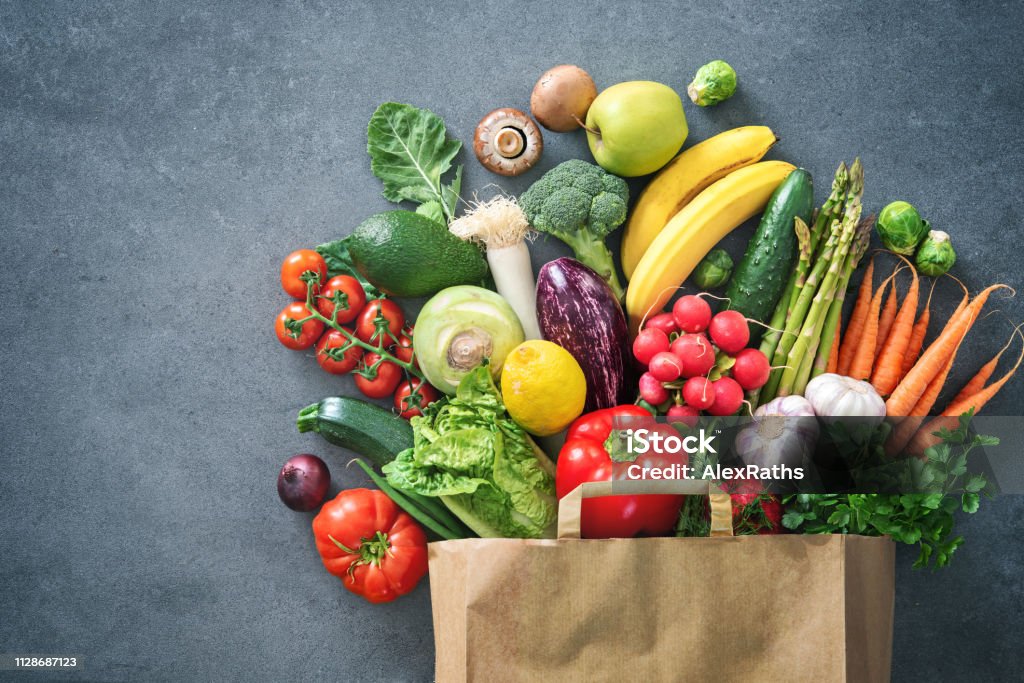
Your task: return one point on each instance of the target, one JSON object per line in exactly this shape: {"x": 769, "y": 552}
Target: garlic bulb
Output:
{"x": 833, "y": 395}
{"x": 784, "y": 432}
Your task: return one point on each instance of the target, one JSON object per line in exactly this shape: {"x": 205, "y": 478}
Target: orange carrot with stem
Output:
{"x": 833, "y": 354}
{"x": 907, "y": 427}
{"x": 855, "y": 328}
{"x": 917, "y": 335}
{"x": 978, "y": 399}
{"x": 886, "y": 319}
{"x": 864, "y": 356}
{"x": 889, "y": 361}
{"x": 909, "y": 391}
{"x": 925, "y": 437}
{"x": 977, "y": 383}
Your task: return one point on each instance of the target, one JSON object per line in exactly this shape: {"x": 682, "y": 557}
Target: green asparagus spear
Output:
{"x": 835, "y": 312}
{"x": 822, "y": 277}
{"x": 796, "y": 318}
{"x": 830, "y": 211}
{"x": 810, "y": 332}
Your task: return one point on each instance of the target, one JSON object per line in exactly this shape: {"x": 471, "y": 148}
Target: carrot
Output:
{"x": 917, "y": 335}
{"x": 925, "y": 437}
{"x": 908, "y": 427}
{"x": 889, "y": 361}
{"x": 855, "y": 328}
{"x": 886, "y": 320}
{"x": 978, "y": 400}
{"x": 864, "y": 356}
{"x": 977, "y": 383}
{"x": 909, "y": 391}
{"x": 833, "y": 354}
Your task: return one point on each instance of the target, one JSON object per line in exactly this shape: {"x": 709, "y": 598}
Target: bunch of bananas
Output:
{"x": 696, "y": 200}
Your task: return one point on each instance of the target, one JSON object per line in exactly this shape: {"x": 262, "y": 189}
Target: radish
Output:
{"x": 650, "y": 341}
{"x": 691, "y": 313}
{"x": 684, "y": 414}
{"x": 698, "y": 393}
{"x": 751, "y": 369}
{"x": 696, "y": 353}
{"x": 665, "y": 366}
{"x": 729, "y": 331}
{"x": 651, "y": 390}
{"x": 663, "y": 321}
{"x": 728, "y": 397}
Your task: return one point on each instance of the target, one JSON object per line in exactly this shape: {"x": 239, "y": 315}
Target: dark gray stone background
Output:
{"x": 159, "y": 160}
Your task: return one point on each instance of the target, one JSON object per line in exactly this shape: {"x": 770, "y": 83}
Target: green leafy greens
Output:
{"x": 482, "y": 465}
{"x": 410, "y": 151}
{"x": 925, "y": 519}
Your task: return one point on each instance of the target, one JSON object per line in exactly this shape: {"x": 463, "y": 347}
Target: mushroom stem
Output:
{"x": 509, "y": 142}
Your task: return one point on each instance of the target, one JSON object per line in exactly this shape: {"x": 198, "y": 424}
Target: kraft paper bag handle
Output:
{"x": 570, "y": 508}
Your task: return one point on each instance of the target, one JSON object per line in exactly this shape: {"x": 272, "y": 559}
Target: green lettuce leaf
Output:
{"x": 409, "y": 151}
{"x": 481, "y": 464}
{"x": 432, "y": 210}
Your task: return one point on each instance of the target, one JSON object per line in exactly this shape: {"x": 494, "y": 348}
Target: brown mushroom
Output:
{"x": 507, "y": 142}
{"x": 561, "y": 98}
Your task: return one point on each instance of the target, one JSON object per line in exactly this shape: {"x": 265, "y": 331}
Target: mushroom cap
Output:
{"x": 508, "y": 142}
{"x": 561, "y": 97}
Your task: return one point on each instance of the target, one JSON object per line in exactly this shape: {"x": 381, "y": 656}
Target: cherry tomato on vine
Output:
{"x": 383, "y": 382}
{"x": 378, "y": 318}
{"x": 295, "y": 265}
{"x": 402, "y": 350}
{"x": 349, "y": 358}
{"x": 348, "y": 292}
{"x": 293, "y": 336}
{"x": 413, "y": 395}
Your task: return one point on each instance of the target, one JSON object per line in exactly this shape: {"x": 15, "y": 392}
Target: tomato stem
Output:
{"x": 379, "y": 349}
{"x": 371, "y": 550}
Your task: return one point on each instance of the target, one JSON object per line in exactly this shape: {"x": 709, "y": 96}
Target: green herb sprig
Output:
{"x": 925, "y": 519}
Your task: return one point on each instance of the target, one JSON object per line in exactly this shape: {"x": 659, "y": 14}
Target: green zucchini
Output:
{"x": 359, "y": 426}
{"x": 762, "y": 273}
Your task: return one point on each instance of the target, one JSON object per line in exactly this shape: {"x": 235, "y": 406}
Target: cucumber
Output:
{"x": 762, "y": 273}
{"x": 361, "y": 427}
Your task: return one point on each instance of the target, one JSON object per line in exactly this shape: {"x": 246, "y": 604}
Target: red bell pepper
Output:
{"x": 584, "y": 458}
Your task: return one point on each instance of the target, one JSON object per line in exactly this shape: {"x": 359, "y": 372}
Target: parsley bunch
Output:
{"x": 925, "y": 519}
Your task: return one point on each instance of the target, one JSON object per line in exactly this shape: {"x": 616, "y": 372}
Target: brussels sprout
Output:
{"x": 936, "y": 254}
{"x": 901, "y": 228}
{"x": 714, "y": 270}
{"x": 715, "y": 82}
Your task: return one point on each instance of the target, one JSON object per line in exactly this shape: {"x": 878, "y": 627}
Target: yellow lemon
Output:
{"x": 543, "y": 387}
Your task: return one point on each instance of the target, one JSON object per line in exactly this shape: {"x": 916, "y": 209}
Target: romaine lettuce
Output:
{"x": 481, "y": 464}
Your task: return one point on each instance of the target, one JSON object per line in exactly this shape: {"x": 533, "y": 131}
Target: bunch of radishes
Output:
{"x": 698, "y": 362}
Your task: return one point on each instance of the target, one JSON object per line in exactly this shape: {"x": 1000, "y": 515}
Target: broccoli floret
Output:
{"x": 580, "y": 203}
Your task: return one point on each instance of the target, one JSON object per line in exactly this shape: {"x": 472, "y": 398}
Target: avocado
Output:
{"x": 407, "y": 254}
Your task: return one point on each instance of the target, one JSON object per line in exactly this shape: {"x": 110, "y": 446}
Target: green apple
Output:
{"x": 635, "y": 128}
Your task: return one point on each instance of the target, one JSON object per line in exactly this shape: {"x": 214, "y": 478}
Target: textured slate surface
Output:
{"x": 157, "y": 163}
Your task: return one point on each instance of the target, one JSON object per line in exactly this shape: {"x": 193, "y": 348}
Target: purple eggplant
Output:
{"x": 578, "y": 311}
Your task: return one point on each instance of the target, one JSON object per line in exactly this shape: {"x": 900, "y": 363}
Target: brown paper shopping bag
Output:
{"x": 724, "y": 608}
